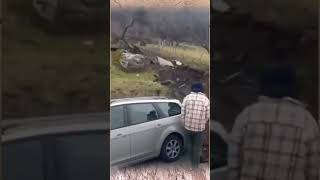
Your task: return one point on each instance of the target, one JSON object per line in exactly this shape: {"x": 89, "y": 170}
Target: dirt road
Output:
{"x": 156, "y": 169}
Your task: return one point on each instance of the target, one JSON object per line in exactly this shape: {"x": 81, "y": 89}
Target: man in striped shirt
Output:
{"x": 195, "y": 114}
{"x": 275, "y": 138}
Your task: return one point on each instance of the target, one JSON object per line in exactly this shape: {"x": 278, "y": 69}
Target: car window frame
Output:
{"x": 129, "y": 119}
{"x": 125, "y": 117}
{"x": 45, "y": 137}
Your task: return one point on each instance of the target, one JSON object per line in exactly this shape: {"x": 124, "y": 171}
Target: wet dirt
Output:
{"x": 180, "y": 79}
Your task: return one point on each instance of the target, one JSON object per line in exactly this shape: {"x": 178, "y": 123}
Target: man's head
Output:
{"x": 279, "y": 81}
{"x": 197, "y": 87}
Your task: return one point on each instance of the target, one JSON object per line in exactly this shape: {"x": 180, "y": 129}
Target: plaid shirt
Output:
{"x": 195, "y": 111}
{"x": 275, "y": 140}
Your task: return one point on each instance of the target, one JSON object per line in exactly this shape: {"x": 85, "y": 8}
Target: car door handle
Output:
{"x": 118, "y": 135}
{"x": 158, "y": 125}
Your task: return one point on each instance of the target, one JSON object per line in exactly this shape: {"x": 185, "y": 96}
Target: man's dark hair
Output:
{"x": 279, "y": 81}
{"x": 197, "y": 87}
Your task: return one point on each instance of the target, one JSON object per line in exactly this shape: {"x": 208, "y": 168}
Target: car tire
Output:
{"x": 171, "y": 148}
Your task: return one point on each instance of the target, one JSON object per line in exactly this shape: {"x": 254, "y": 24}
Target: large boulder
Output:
{"x": 133, "y": 62}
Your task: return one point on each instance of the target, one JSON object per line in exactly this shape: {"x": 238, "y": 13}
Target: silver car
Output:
{"x": 70, "y": 147}
{"x": 144, "y": 128}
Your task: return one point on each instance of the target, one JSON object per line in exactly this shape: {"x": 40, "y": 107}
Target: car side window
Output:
{"x": 23, "y": 160}
{"x": 82, "y": 156}
{"x": 140, "y": 113}
{"x": 169, "y": 109}
{"x": 117, "y": 117}
{"x": 219, "y": 151}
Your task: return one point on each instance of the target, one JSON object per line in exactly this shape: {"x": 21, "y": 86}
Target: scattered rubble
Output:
{"x": 172, "y": 73}
{"x": 131, "y": 61}
{"x": 177, "y": 63}
{"x": 164, "y": 62}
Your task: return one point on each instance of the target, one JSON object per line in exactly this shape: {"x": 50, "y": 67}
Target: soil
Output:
{"x": 178, "y": 78}
{"x": 181, "y": 78}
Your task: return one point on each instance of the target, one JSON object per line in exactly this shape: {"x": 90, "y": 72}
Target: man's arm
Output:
{"x": 312, "y": 168}
{"x": 235, "y": 144}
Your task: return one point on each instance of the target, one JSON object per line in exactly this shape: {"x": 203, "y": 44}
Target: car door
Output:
{"x": 81, "y": 155}
{"x": 144, "y": 127}
{"x": 24, "y": 160}
{"x": 119, "y": 136}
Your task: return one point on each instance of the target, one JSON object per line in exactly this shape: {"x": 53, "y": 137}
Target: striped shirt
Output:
{"x": 195, "y": 111}
{"x": 275, "y": 140}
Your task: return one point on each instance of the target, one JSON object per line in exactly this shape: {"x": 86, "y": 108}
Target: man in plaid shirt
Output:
{"x": 275, "y": 138}
{"x": 195, "y": 113}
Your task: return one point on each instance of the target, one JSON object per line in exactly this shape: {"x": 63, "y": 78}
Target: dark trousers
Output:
{"x": 195, "y": 147}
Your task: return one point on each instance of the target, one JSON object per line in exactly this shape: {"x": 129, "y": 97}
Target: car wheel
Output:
{"x": 171, "y": 148}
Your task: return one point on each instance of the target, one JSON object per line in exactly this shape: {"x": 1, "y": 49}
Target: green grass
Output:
{"x": 46, "y": 73}
{"x": 125, "y": 84}
{"x": 194, "y": 56}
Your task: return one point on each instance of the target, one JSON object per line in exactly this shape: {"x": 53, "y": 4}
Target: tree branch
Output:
{"x": 127, "y": 27}
{"x": 117, "y": 2}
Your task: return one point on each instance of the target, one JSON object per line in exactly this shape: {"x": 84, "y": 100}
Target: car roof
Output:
{"x": 148, "y": 99}
{"x": 17, "y": 129}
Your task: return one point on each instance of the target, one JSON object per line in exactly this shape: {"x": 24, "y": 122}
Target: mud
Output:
{"x": 180, "y": 79}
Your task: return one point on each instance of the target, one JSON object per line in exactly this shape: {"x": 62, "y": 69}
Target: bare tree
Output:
{"x": 139, "y": 16}
{"x": 117, "y": 3}
{"x": 165, "y": 24}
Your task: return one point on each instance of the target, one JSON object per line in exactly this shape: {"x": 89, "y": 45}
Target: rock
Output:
{"x": 132, "y": 62}
{"x": 164, "y": 62}
{"x": 178, "y": 63}
{"x": 156, "y": 77}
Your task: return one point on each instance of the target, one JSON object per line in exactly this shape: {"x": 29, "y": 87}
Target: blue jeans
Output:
{"x": 195, "y": 140}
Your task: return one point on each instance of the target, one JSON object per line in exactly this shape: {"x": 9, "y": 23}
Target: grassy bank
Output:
{"x": 194, "y": 56}
{"x": 125, "y": 84}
